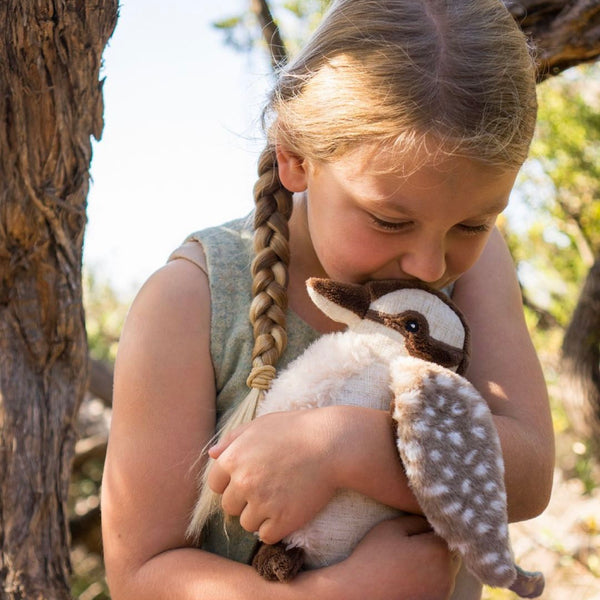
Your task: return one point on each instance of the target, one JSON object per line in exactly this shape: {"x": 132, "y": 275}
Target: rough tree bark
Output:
{"x": 581, "y": 361}
{"x": 50, "y": 105}
{"x": 565, "y": 32}
{"x": 271, "y": 33}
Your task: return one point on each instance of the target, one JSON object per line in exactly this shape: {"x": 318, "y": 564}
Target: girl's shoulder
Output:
{"x": 172, "y": 293}
{"x": 193, "y": 252}
{"x": 222, "y": 252}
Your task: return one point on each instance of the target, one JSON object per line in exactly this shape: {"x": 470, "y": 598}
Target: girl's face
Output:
{"x": 367, "y": 221}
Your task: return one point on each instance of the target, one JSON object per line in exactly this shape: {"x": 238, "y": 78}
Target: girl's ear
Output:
{"x": 292, "y": 170}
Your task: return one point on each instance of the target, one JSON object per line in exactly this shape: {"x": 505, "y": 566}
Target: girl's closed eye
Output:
{"x": 393, "y": 226}
{"x": 398, "y": 226}
{"x": 474, "y": 229}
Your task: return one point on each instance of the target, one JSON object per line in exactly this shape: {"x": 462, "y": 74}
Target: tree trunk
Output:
{"x": 100, "y": 381}
{"x": 581, "y": 361}
{"x": 50, "y": 104}
{"x": 270, "y": 32}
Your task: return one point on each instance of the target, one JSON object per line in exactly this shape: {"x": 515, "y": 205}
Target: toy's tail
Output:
{"x": 528, "y": 584}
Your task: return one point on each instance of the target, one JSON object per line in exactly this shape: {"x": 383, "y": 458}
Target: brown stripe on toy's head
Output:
{"x": 419, "y": 342}
{"x": 343, "y": 302}
{"x": 446, "y": 341}
{"x": 433, "y": 328}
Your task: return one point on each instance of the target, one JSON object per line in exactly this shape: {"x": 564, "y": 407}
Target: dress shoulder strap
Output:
{"x": 193, "y": 252}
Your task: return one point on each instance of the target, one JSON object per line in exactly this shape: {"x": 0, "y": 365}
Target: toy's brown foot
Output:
{"x": 275, "y": 563}
{"x": 527, "y": 584}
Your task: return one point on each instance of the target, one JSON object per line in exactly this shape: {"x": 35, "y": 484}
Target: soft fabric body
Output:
{"x": 340, "y": 368}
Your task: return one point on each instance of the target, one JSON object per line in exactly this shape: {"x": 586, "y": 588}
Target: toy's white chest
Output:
{"x": 338, "y": 369}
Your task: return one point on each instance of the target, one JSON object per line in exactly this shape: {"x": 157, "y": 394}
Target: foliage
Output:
{"x": 295, "y": 18}
{"x": 307, "y": 14}
{"x": 88, "y": 581}
{"x": 556, "y": 233}
{"x": 105, "y": 313}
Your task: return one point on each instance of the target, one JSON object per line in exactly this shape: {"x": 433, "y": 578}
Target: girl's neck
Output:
{"x": 304, "y": 264}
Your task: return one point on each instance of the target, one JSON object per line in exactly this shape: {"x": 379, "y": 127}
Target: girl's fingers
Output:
{"x": 232, "y": 503}
{"x": 250, "y": 520}
{"x": 412, "y": 525}
{"x": 218, "y": 478}
{"x": 267, "y": 533}
{"x": 225, "y": 441}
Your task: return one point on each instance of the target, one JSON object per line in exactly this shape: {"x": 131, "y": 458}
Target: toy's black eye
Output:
{"x": 411, "y": 326}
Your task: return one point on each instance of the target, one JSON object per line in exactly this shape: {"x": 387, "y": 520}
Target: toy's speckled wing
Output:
{"x": 453, "y": 461}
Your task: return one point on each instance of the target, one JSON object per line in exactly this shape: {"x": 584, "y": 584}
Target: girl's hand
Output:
{"x": 277, "y": 471}
{"x": 400, "y": 558}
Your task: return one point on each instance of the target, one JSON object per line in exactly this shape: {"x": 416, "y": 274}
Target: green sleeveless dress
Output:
{"x": 229, "y": 252}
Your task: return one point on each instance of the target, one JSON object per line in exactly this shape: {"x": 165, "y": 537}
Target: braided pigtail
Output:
{"x": 267, "y": 312}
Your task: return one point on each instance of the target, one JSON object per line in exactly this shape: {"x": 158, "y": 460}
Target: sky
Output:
{"x": 181, "y": 136}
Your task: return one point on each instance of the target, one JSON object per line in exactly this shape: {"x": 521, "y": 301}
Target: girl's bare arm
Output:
{"x": 506, "y": 371}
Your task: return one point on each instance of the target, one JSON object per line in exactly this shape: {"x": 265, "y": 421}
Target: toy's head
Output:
{"x": 427, "y": 322}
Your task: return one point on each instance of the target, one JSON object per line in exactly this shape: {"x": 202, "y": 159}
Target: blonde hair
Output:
{"x": 453, "y": 78}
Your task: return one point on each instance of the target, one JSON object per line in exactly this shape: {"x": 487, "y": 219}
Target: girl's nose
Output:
{"x": 426, "y": 262}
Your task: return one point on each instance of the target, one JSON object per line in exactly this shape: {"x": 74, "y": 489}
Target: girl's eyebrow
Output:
{"x": 403, "y": 203}
{"x": 496, "y": 207}
{"x": 402, "y": 206}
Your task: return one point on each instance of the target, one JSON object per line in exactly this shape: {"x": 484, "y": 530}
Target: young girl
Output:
{"x": 394, "y": 140}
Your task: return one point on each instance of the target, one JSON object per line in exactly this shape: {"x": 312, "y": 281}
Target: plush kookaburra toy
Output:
{"x": 405, "y": 347}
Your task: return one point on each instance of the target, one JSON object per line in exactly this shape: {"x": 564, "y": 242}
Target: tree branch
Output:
{"x": 565, "y": 33}
{"x": 581, "y": 360}
{"x": 271, "y": 33}
{"x": 572, "y": 222}
{"x": 546, "y": 320}
{"x": 100, "y": 381}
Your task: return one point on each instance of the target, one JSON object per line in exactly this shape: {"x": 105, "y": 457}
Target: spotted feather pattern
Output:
{"x": 453, "y": 462}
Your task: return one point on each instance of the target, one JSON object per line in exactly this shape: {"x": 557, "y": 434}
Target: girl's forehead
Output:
{"x": 458, "y": 187}
{"x": 388, "y": 159}
{"x": 384, "y": 170}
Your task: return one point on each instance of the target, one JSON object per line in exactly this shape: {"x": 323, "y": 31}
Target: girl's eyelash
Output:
{"x": 392, "y": 226}
{"x": 389, "y": 225}
{"x": 474, "y": 229}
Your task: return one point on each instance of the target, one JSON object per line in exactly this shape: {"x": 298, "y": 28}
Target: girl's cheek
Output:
{"x": 462, "y": 259}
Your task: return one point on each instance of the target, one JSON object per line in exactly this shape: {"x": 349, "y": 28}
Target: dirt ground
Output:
{"x": 564, "y": 541}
